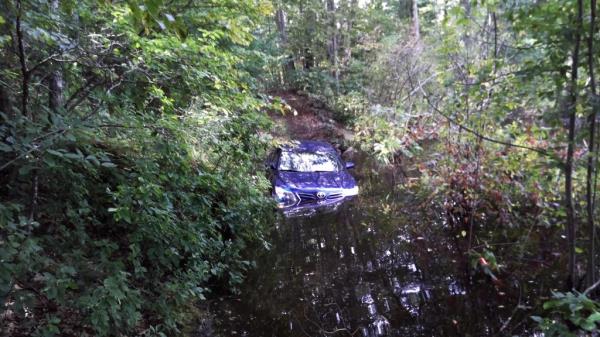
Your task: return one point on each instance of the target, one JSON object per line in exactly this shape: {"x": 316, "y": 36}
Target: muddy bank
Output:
{"x": 305, "y": 117}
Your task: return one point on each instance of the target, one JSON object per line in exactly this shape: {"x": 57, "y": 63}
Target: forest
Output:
{"x": 134, "y": 199}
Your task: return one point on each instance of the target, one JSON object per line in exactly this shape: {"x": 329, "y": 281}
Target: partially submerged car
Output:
{"x": 309, "y": 173}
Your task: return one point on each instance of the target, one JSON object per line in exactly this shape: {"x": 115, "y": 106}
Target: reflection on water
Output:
{"x": 319, "y": 208}
{"x": 374, "y": 266}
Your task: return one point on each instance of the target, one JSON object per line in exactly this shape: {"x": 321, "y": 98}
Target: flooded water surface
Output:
{"x": 382, "y": 264}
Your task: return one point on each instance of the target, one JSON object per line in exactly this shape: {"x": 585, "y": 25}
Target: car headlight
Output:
{"x": 284, "y": 197}
{"x": 351, "y": 191}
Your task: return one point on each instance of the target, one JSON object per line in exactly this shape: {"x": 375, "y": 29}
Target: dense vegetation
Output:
{"x": 128, "y": 157}
{"x": 133, "y": 132}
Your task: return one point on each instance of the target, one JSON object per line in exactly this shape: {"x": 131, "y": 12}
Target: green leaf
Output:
{"x": 550, "y": 304}
{"x": 588, "y": 326}
{"x": 595, "y": 317}
{"x": 75, "y": 156}
{"x": 56, "y": 153}
{"x": 92, "y": 159}
{"x": 5, "y": 147}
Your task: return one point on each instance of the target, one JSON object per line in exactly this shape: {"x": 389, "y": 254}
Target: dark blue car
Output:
{"x": 309, "y": 173}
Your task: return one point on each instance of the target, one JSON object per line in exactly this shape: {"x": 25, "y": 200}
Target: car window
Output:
{"x": 309, "y": 162}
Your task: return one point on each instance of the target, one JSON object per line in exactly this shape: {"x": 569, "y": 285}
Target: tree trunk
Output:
{"x": 23, "y": 63}
{"x": 333, "y": 46}
{"x": 5, "y": 103}
{"x": 466, "y": 4}
{"x": 590, "y": 188}
{"x": 56, "y": 87}
{"x": 445, "y": 11}
{"x": 281, "y": 21}
{"x": 415, "y": 17}
{"x": 56, "y": 81}
{"x": 309, "y": 30}
{"x": 347, "y": 45}
{"x": 309, "y": 59}
{"x": 495, "y": 24}
{"x": 571, "y": 230}
{"x": 331, "y": 30}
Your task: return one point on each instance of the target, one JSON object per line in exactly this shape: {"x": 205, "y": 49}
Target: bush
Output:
{"x": 569, "y": 314}
{"x": 347, "y": 108}
{"x": 131, "y": 228}
{"x": 138, "y": 196}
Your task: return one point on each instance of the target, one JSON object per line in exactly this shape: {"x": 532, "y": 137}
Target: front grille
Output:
{"x": 307, "y": 196}
{"x": 312, "y": 196}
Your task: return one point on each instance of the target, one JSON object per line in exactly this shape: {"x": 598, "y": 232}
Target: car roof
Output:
{"x": 308, "y": 146}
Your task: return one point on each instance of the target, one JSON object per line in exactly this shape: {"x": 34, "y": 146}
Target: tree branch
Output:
{"x": 592, "y": 287}
{"x": 541, "y": 151}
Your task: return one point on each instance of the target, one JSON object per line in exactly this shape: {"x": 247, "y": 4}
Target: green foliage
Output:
{"x": 569, "y": 314}
{"x": 379, "y": 136}
{"x": 137, "y": 196}
{"x": 314, "y": 81}
{"x": 348, "y": 107}
{"x": 389, "y": 133}
{"x": 457, "y": 85}
{"x": 310, "y": 30}
{"x": 484, "y": 261}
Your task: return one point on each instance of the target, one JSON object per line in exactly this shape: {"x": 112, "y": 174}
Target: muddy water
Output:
{"x": 380, "y": 265}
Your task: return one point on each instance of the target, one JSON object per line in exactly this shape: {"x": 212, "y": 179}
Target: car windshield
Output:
{"x": 309, "y": 162}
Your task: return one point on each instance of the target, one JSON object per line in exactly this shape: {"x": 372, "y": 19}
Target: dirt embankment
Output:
{"x": 307, "y": 118}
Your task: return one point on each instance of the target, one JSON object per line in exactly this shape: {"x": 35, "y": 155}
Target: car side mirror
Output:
{"x": 349, "y": 165}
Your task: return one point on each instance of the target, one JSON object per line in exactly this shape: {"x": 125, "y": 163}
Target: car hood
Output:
{"x": 316, "y": 180}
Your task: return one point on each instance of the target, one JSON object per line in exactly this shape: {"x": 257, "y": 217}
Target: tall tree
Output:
{"x": 591, "y": 160}
{"x": 415, "y": 19}
{"x": 281, "y": 22}
{"x": 347, "y": 40}
{"x": 572, "y": 113}
{"x": 55, "y": 81}
{"x": 333, "y": 42}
